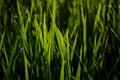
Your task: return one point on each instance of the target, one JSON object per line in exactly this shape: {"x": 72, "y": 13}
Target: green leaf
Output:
{"x": 26, "y": 66}
{"x": 1, "y": 42}
{"x": 62, "y": 71}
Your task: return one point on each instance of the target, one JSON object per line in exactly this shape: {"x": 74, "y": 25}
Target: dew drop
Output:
{"x": 46, "y": 62}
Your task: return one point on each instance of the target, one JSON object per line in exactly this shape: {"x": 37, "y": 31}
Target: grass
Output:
{"x": 59, "y": 39}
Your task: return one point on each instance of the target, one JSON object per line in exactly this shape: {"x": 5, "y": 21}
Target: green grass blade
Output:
{"x": 61, "y": 43}
{"x": 22, "y": 27}
{"x": 62, "y": 71}
{"x": 78, "y": 74}
{"x": 97, "y": 18}
{"x": 68, "y": 55}
{"x": 26, "y": 66}
{"x": 115, "y": 34}
{"x": 45, "y": 31}
{"x": 75, "y": 27}
{"x": 73, "y": 47}
{"x": 6, "y": 56}
{"x": 84, "y": 32}
{"x": 1, "y": 42}
{"x": 7, "y": 73}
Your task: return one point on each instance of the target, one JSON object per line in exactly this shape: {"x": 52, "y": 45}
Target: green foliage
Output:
{"x": 59, "y": 39}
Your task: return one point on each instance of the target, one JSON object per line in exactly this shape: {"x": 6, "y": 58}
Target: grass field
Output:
{"x": 59, "y": 39}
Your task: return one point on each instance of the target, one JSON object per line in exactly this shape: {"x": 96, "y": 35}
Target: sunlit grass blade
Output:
{"x": 22, "y": 27}
{"x": 75, "y": 27}
{"x": 97, "y": 18}
{"x": 50, "y": 51}
{"x": 62, "y": 71}
{"x": 61, "y": 43}
{"x": 45, "y": 31}
{"x": 84, "y": 32}
{"x": 32, "y": 7}
{"x": 68, "y": 55}
{"x": 62, "y": 48}
{"x": 54, "y": 12}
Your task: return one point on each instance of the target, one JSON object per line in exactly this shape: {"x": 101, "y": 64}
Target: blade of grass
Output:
{"x": 75, "y": 27}
{"x": 73, "y": 47}
{"x": 1, "y": 42}
{"x": 62, "y": 48}
{"x": 61, "y": 43}
{"x": 62, "y": 71}
{"x": 84, "y": 32}
{"x": 45, "y": 31}
{"x": 26, "y": 67}
{"x": 68, "y": 55}
{"x": 97, "y": 18}
{"x": 6, "y": 56}
{"x": 7, "y": 73}
{"x": 78, "y": 74}
{"x": 113, "y": 31}
{"x": 22, "y": 27}
{"x": 98, "y": 44}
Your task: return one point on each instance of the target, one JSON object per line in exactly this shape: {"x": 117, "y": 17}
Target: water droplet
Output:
{"x": 108, "y": 35}
{"x": 109, "y": 48}
{"x": 45, "y": 62}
